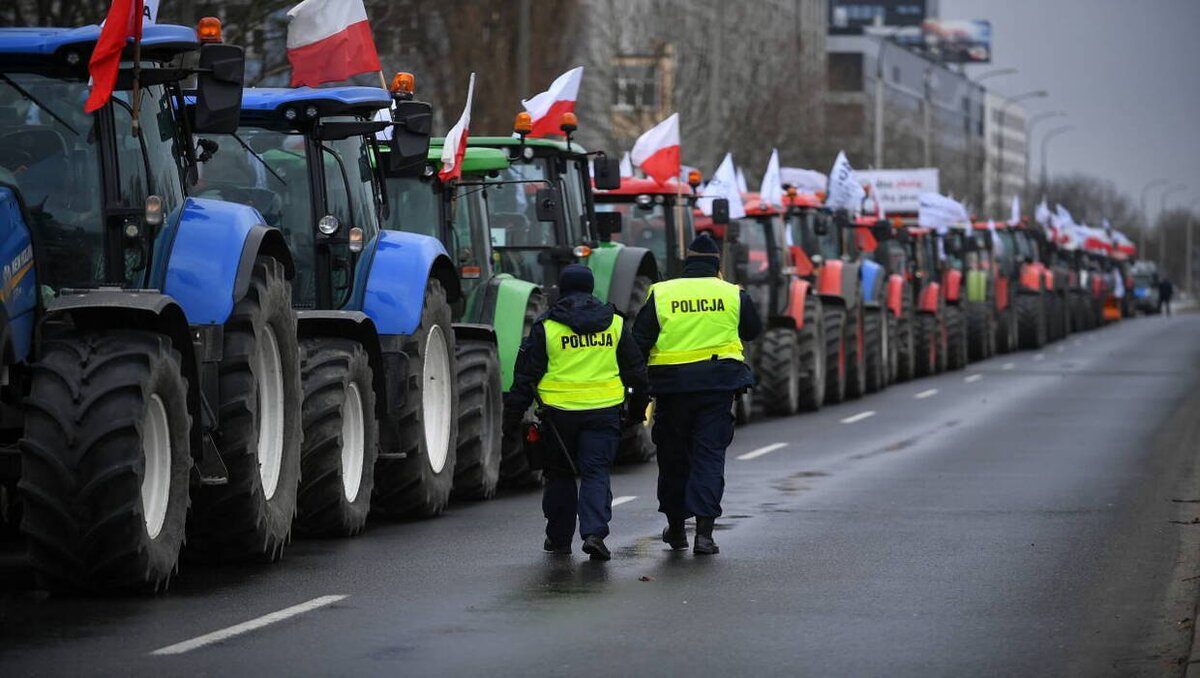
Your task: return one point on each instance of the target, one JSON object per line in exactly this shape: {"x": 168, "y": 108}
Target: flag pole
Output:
{"x": 679, "y": 217}
{"x": 383, "y": 80}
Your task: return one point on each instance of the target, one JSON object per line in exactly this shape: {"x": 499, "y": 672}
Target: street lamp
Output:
{"x": 1046, "y": 142}
{"x": 1008, "y": 101}
{"x": 1146, "y": 217}
{"x": 1162, "y": 226}
{"x": 1030, "y": 125}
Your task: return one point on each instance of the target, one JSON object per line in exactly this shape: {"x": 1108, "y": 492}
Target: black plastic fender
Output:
{"x": 389, "y": 369}
{"x": 474, "y": 332}
{"x": 631, "y": 262}
{"x": 262, "y": 240}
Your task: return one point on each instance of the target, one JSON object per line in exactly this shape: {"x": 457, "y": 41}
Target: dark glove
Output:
{"x": 638, "y": 404}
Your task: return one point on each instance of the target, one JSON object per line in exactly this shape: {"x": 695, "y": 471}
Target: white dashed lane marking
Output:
{"x": 925, "y": 394}
{"x": 971, "y": 378}
{"x": 617, "y": 501}
{"x": 1008, "y": 366}
{"x": 859, "y": 417}
{"x": 247, "y": 626}
{"x": 766, "y": 449}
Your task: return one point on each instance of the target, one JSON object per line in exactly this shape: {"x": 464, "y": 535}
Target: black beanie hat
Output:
{"x": 576, "y": 278}
{"x": 704, "y": 252}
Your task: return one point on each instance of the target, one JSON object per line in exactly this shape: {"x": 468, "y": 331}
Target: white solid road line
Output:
{"x": 1008, "y": 366}
{"x": 624, "y": 500}
{"x": 247, "y": 626}
{"x": 766, "y": 449}
{"x": 972, "y": 378}
{"x": 859, "y": 417}
{"x": 925, "y": 394}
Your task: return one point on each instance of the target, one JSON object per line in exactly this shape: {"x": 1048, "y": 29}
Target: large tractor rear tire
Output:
{"x": 480, "y": 404}
{"x": 250, "y": 517}
{"x": 778, "y": 390}
{"x": 907, "y": 328}
{"x": 812, "y": 355}
{"x": 1005, "y": 334}
{"x": 928, "y": 345}
{"x": 875, "y": 332}
{"x": 1031, "y": 320}
{"x": 835, "y": 354}
{"x": 341, "y": 439}
{"x": 418, "y": 484}
{"x": 981, "y": 330}
{"x": 856, "y": 354}
{"x": 105, "y": 461}
{"x": 956, "y": 338}
{"x": 514, "y": 464}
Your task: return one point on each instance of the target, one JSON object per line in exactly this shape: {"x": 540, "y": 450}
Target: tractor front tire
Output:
{"x": 514, "y": 463}
{"x": 811, "y": 338}
{"x": 928, "y": 345}
{"x": 341, "y": 439}
{"x": 876, "y": 342}
{"x": 105, "y": 460}
{"x": 856, "y": 354}
{"x": 415, "y": 473}
{"x": 480, "y": 404}
{"x": 835, "y": 354}
{"x": 1031, "y": 320}
{"x": 778, "y": 391}
{"x": 956, "y": 338}
{"x": 250, "y": 517}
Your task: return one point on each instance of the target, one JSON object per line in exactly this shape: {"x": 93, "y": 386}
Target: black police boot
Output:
{"x": 594, "y": 547}
{"x": 557, "y": 549}
{"x": 675, "y": 535}
{"x": 705, "y": 546}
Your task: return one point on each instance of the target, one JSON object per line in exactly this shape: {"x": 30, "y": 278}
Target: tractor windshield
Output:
{"x": 802, "y": 231}
{"x": 49, "y": 153}
{"x": 646, "y": 224}
{"x": 1026, "y": 251}
{"x": 417, "y": 208}
{"x": 517, "y": 235}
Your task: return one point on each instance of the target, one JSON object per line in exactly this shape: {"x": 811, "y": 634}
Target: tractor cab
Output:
{"x": 758, "y": 256}
{"x": 543, "y": 217}
{"x": 655, "y": 216}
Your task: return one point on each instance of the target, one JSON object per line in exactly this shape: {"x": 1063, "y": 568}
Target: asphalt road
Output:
{"x": 1029, "y": 515}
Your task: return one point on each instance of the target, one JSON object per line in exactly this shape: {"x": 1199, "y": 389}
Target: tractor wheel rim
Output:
{"x": 435, "y": 399}
{"x": 269, "y": 373}
{"x": 156, "y": 478}
{"x": 353, "y": 442}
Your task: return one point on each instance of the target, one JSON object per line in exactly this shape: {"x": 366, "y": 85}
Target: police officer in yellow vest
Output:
{"x": 691, "y": 331}
{"x": 578, "y": 359}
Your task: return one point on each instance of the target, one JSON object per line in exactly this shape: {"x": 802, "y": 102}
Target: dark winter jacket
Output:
{"x": 584, "y": 314}
{"x": 710, "y": 375}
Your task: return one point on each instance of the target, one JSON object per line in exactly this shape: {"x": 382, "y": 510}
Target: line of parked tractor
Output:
{"x": 265, "y": 314}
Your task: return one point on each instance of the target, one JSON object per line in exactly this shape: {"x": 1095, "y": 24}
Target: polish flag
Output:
{"x": 657, "y": 151}
{"x": 455, "y": 145}
{"x": 547, "y": 108}
{"x": 124, "y": 21}
{"x": 328, "y": 41}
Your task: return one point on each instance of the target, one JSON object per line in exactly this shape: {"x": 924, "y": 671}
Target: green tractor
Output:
{"x": 496, "y": 306}
{"x": 543, "y": 217}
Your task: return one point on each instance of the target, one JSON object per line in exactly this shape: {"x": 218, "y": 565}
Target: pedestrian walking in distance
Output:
{"x": 1166, "y": 290}
{"x": 691, "y": 331}
{"x": 579, "y": 361}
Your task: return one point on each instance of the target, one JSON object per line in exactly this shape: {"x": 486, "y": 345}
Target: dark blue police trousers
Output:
{"x": 691, "y": 432}
{"x": 591, "y": 438}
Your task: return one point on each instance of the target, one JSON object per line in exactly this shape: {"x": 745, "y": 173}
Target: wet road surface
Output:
{"x": 1030, "y": 515}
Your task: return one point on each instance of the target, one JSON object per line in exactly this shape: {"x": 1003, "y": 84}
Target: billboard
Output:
{"x": 851, "y": 16}
{"x": 954, "y": 41}
{"x": 900, "y": 190}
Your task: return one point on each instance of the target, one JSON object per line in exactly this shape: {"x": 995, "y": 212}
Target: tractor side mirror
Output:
{"x": 409, "y": 145}
{"x": 821, "y": 225}
{"x": 606, "y": 172}
{"x": 548, "y": 202}
{"x": 741, "y": 262}
{"x": 608, "y": 223}
{"x": 733, "y": 229}
{"x": 882, "y": 230}
{"x": 720, "y": 211}
{"x": 221, "y": 72}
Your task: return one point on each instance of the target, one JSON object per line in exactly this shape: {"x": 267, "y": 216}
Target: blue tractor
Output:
{"x": 149, "y": 344}
{"x": 374, "y": 306}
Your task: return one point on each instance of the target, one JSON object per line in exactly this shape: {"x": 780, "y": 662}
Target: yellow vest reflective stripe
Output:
{"x": 581, "y": 370}
{"x": 697, "y": 320}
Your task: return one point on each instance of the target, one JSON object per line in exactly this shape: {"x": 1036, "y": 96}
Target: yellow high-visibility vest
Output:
{"x": 697, "y": 320}
{"x": 582, "y": 371}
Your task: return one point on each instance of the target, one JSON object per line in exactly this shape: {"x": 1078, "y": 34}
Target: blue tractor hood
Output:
{"x": 161, "y": 41}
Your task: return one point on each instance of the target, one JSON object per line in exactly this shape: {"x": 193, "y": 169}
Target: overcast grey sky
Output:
{"x": 1127, "y": 72}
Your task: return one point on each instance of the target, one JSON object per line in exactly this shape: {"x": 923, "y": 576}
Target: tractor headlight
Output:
{"x": 328, "y": 224}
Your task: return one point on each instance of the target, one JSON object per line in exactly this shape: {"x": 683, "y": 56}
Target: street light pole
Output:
{"x": 1008, "y": 101}
{"x": 1030, "y": 125}
{"x": 1162, "y": 225}
{"x": 1045, "y": 149}
{"x": 926, "y": 109}
{"x": 1146, "y": 217}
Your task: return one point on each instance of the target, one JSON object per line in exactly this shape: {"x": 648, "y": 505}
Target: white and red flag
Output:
{"x": 657, "y": 151}
{"x": 328, "y": 41}
{"x": 547, "y": 108}
{"x": 455, "y": 145}
{"x": 124, "y": 21}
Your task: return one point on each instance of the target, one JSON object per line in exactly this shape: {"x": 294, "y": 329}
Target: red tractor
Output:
{"x": 928, "y": 299}
{"x": 657, "y": 217}
{"x": 1033, "y": 282}
{"x": 886, "y": 246}
{"x": 955, "y": 246}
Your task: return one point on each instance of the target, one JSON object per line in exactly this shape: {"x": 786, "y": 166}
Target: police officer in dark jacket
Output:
{"x": 691, "y": 331}
{"x": 578, "y": 361}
